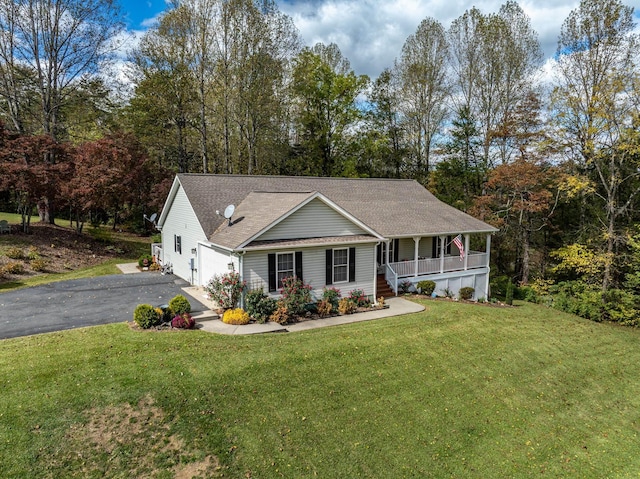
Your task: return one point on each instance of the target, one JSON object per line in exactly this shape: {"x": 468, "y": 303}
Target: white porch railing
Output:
{"x": 447, "y": 264}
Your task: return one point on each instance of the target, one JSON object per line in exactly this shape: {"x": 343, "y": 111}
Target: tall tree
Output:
{"x": 494, "y": 58}
{"x": 165, "y": 94}
{"x": 31, "y": 167}
{"x": 325, "y": 90}
{"x": 425, "y": 86}
{"x": 597, "y": 70}
{"x": 384, "y": 141}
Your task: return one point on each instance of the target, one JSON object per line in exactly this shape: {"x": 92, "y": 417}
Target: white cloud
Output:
{"x": 371, "y": 33}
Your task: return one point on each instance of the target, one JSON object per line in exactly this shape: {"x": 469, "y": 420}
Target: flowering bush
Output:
{"x": 235, "y": 316}
{"x": 332, "y": 295}
{"x": 145, "y": 260}
{"x": 359, "y": 298}
{"x": 226, "y": 289}
{"x": 183, "y": 321}
{"x": 296, "y": 294}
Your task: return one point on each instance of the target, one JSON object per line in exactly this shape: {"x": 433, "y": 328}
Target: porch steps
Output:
{"x": 383, "y": 288}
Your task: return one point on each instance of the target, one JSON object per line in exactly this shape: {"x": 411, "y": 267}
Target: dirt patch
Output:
{"x": 57, "y": 249}
{"x": 131, "y": 440}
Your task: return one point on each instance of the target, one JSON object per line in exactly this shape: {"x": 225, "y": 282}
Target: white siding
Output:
{"x": 313, "y": 220}
{"x": 181, "y": 221}
{"x": 213, "y": 261}
{"x": 256, "y": 269}
{"x": 406, "y": 250}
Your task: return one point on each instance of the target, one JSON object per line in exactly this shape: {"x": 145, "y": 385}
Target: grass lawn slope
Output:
{"x": 458, "y": 391}
{"x": 56, "y": 252}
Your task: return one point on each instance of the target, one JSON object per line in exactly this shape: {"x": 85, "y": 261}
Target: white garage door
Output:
{"x": 210, "y": 263}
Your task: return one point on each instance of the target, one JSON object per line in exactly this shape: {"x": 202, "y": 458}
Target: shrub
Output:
{"x": 183, "y": 321}
{"x": 145, "y": 261}
{"x": 332, "y": 295}
{"x": 145, "y": 316}
{"x": 426, "y": 287}
{"x": 13, "y": 267}
{"x": 296, "y": 294}
{"x": 281, "y": 314}
{"x": 359, "y": 298}
{"x": 259, "y": 305}
{"x": 236, "y": 316}
{"x": 32, "y": 253}
{"x": 347, "y": 306}
{"x": 404, "y": 286}
{"x": 179, "y": 305}
{"x": 509, "y": 294}
{"x": 38, "y": 264}
{"x": 15, "y": 253}
{"x": 466, "y": 293}
{"x": 324, "y": 307}
{"x": 226, "y": 289}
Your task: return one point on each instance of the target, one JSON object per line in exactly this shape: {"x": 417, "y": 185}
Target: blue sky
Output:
{"x": 370, "y": 33}
{"x": 138, "y": 13}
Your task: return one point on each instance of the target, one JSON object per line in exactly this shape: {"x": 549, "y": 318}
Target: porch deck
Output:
{"x": 423, "y": 268}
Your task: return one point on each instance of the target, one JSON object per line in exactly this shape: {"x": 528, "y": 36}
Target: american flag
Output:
{"x": 458, "y": 242}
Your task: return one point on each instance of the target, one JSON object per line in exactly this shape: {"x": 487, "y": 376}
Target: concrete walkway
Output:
{"x": 209, "y": 321}
{"x": 128, "y": 268}
{"x": 397, "y": 307}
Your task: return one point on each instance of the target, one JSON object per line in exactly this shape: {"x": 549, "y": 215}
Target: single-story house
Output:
{"x": 367, "y": 234}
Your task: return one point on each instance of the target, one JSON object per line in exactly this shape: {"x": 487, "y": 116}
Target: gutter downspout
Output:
{"x": 375, "y": 274}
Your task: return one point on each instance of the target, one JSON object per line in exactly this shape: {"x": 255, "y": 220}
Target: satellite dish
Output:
{"x": 228, "y": 212}
{"x": 153, "y": 217}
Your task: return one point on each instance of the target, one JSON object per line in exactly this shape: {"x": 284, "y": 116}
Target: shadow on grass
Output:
{"x": 10, "y": 285}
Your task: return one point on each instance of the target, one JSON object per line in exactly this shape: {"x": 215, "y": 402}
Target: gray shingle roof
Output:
{"x": 392, "y": 208}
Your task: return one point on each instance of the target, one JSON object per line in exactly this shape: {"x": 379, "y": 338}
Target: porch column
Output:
{"x": 443, "y": 248}
{"x": 488, "y": 248}
{"x": 466, "y": 251}
{"x": 416, "y": 241}
{"x": 386, "y": 253}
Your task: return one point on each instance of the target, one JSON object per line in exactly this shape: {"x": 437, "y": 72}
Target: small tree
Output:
{"x": 226, "y": 289}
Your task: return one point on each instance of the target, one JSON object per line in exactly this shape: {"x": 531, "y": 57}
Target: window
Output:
{"x": 284, "y": 267}
{"x": 393, "y": 252}
{"x": 437, "y": 245}
{"x": 340, "y": 265}
{"x": 177, "y": 244}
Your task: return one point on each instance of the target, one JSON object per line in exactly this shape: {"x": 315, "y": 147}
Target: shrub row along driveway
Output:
{"x": 85, "y": 302}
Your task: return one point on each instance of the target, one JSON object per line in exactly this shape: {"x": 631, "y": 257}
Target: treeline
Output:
{"x": 550, "y": 155}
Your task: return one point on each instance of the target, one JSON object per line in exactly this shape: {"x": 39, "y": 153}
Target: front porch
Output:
{"x": 449, "y": 263}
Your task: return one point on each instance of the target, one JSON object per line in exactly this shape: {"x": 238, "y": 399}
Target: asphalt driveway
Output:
{"x": 85, "y": 302}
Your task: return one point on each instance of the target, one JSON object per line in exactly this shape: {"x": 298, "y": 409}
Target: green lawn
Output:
{"x": 458, "y": 391}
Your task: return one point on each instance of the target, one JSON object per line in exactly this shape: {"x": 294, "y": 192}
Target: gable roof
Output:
{"x": 391, "y": 208}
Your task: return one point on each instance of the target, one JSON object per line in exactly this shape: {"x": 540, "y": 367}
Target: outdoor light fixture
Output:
{"x": 230, "y": 266}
